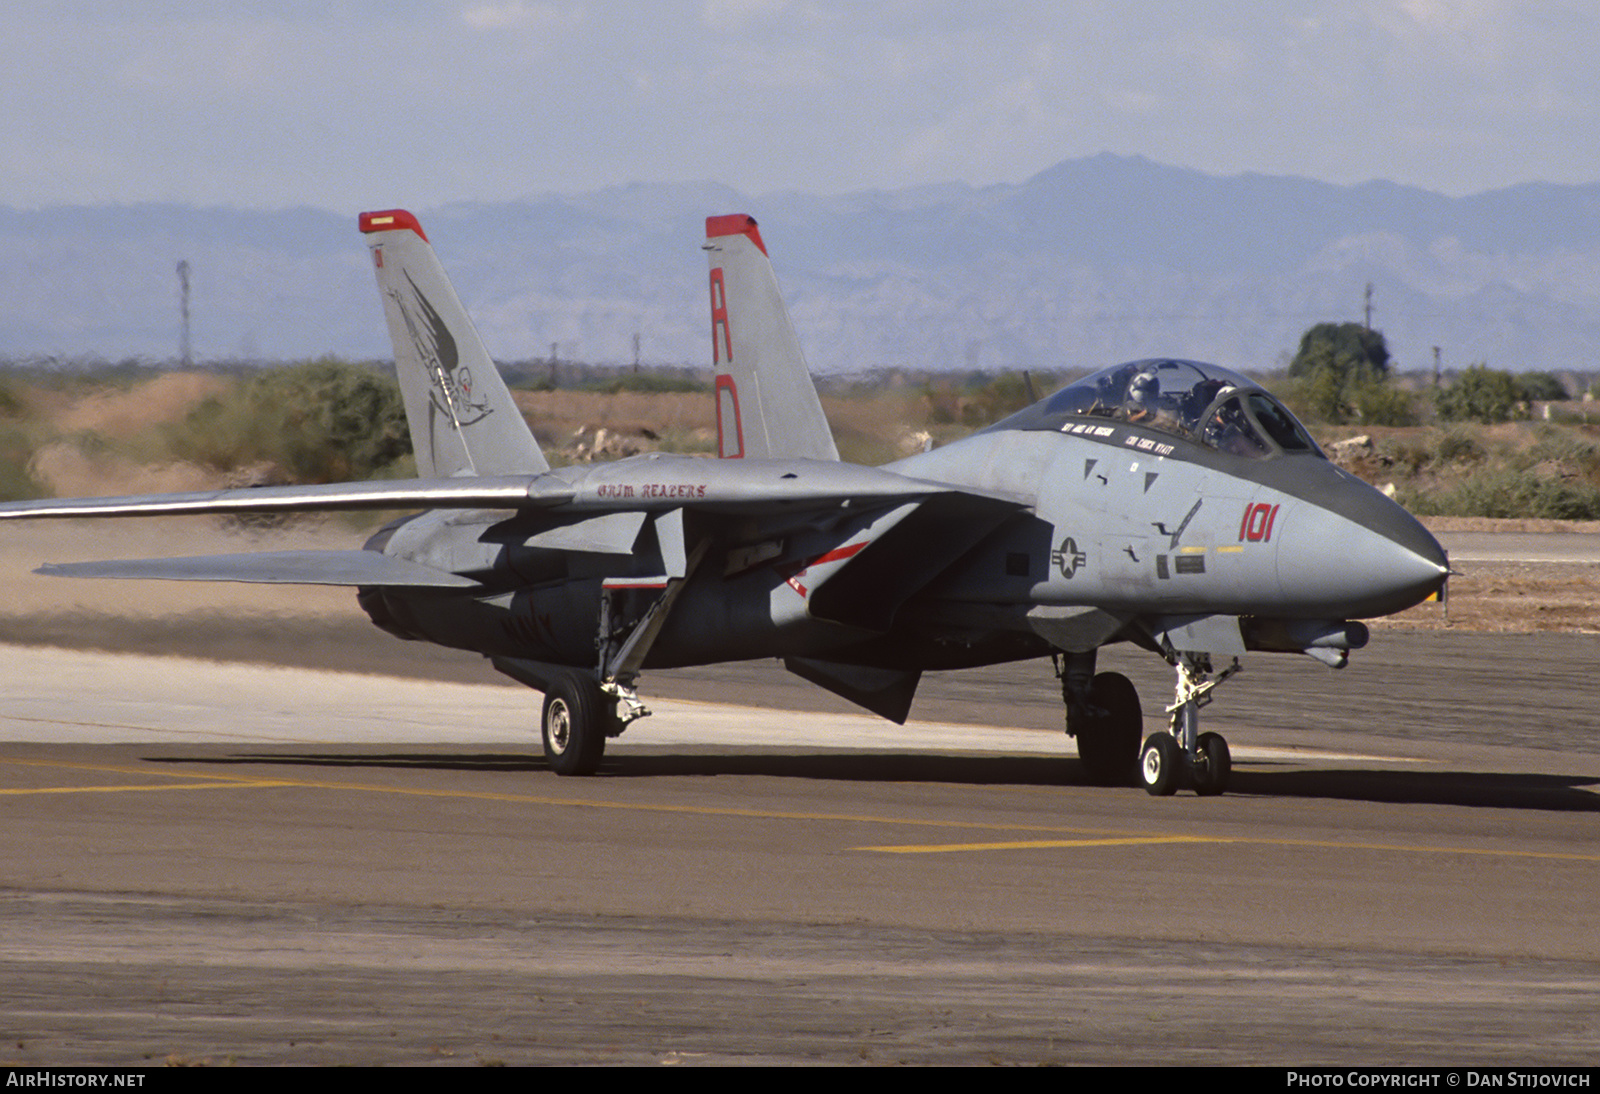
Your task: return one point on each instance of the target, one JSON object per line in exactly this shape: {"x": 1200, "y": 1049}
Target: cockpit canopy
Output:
{"x": 1198, "y": 402}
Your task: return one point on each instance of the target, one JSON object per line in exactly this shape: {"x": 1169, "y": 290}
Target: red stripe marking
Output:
{"x": 838, "y": 553}
{"x": 735, "y": 224}
{"x": 729, "y": 430}
{"x": 389, "y": 220}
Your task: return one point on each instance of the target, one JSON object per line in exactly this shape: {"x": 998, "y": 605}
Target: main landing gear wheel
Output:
{"x": 1107, "y": 729}
{"x": 1161, "y": 764}
{"x": 574, "y": 724}
{"x": 1212, "y": 766}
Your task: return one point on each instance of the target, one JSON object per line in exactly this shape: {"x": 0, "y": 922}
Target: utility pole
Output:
{"x": 185, "y": 358}
{"x": 1436, "y": 369}
{"x": 1368, "y": 323}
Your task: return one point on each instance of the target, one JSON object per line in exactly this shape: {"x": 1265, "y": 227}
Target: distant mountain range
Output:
{"x": 1092, "y": 261}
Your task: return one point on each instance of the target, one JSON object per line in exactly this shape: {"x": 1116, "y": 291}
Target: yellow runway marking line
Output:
{"x": 1083, "y": 836}
{"x": 141, "y": 769}
{"x": 1036, "y": 844}
{"x": 576, "y": 803}
{"x": 207, "y": 781}
{"x": 211, "y": 781}
{"x": 202, "y": 735}
{"x": 1420, "y": 849}
{"x": 145, "y": 789}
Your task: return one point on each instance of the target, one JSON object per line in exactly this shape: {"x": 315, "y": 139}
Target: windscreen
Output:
{"x": 1199, "y": 402}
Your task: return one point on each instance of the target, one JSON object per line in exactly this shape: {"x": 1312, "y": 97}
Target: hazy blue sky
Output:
{"x": 347, "y": 104}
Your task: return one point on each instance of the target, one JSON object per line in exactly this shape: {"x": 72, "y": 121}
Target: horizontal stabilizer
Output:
{"x": 501, "y": 492}
{"x": 273, "y": 568}
{"x": 642, "y": 484}
{"x": 750, "y": 486}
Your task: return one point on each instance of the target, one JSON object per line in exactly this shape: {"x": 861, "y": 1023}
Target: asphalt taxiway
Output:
{"x": 241, "y": 863}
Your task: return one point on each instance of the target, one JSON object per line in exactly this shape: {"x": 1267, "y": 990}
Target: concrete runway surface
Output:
{"x": 1529, "y": 547}
{"x": 218, "y": 863}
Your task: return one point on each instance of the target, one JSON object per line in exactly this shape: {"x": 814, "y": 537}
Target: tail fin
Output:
{"x": 767, "y": 406}
{"x": 463, "y": 420}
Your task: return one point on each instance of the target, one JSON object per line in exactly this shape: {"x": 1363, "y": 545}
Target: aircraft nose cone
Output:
{"x": 1367, "y": 559}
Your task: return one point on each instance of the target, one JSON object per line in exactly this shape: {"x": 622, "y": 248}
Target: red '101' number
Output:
{"x": 1257, "y": 523}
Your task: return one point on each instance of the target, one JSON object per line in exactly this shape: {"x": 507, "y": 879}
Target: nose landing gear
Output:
{"x": 1184, "y": 755}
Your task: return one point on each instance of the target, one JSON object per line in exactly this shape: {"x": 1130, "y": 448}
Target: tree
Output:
{"x": 1348, "y": 348}
{"x": 1543, "y": 387}
{"x": 1342, "y": 371}
{"x": 1483, "y": 394}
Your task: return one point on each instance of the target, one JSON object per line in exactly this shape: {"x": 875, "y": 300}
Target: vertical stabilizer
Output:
{"x": 463, "y": 420}
{"x": 767, "y": 406}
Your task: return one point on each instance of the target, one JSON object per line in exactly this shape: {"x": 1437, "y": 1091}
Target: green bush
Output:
{"x": 1379, "y": 402}
{"x": 1544, "y": 387}
{"x": 1483, "y": 394}
{"x": 1562, "y": 446}
{"x": 997, "y": 397}
{"x": 11, "y": 402}
{"x": 1458, "y": 446}
{"x": 1509, "y": 493}
{"x": 16, "y": 454}
{"x": 648, "y": 383}
{"x": 323, "y": 421}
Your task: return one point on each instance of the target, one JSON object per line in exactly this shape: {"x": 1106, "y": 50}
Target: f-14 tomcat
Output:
{"x": 1167, "y": 503}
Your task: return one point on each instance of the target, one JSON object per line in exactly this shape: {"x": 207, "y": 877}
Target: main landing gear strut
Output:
{"x": 1103, "y": 713}
{"x": 1184, "y": 755}
{"x": 582, "y": 709}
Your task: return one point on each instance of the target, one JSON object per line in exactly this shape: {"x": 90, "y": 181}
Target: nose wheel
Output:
{"x": 1185, "y": 756}
{"x": 1161, "y": 764}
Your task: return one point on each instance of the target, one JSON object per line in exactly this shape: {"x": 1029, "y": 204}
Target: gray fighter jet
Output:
{"x": 1168, "y": 503}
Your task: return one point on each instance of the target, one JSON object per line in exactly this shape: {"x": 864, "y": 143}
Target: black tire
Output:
{"x": 1213, "y": 766}
{"x": 1108, "y": 744}
{"x": 1161, "y": 764}
{"x": 573, "y": 725}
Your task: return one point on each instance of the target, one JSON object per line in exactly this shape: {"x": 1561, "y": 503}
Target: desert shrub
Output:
{"x": 1379, "y": 402}
{"x": 1415, "y": 453}
{"x": 323, "y": 421}
{"x": 648, "y": 383}
{"x": 16, "y": 453}
{"x": 12, "y": 405}
{"x": 996, "y": 397}
{"x": 1509, "y": 493}
{"x": 1407, "y": 454}
{"x": 1336, "y": 398}
{"x": 976, "y": 400}
{"x": 1482, "y": 394}
{"x": 1458, "y": 446}
{"x": 1564, "y": 446}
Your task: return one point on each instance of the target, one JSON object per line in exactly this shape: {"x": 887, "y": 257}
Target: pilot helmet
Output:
{"x": 1144, "y": 390}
